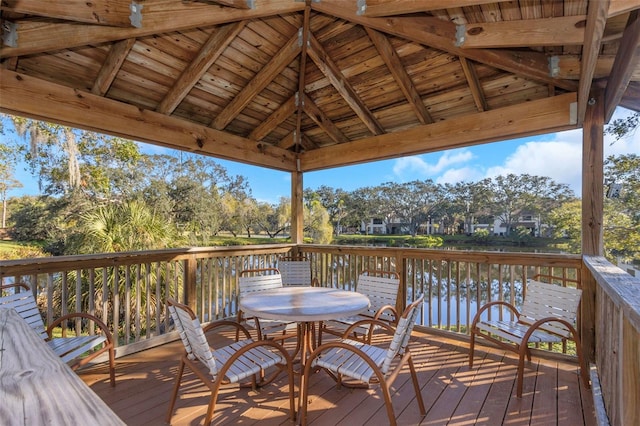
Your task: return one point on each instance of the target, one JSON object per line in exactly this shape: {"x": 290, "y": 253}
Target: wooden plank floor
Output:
{"x": 453, "y": 393}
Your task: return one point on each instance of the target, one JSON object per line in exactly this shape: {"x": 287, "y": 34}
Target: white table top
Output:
{"x": 302, "y": 304}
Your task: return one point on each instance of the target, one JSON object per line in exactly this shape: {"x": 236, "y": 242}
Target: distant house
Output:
{"x": 526, "y": 220}
{"x": 394, "y": 226}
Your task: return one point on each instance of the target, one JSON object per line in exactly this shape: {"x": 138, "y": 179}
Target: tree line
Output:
{"x": 103, "y": 194}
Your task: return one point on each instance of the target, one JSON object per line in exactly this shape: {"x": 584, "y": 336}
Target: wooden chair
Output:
{"x": 243, "y": 360}
{"x": 381, "y": 287}
{"x": 252, "y": 280}
{"x": 75, "y": 350}
{"x": 548, "y": 315}
{"x": 296, "y": 271}
{"x": 368, "y": 364}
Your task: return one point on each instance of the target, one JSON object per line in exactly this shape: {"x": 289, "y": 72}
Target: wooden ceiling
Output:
{"x": 380, "y": 78}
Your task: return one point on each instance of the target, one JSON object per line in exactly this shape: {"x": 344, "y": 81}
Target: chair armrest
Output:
{"x": 372, "y": 322}
{"x": 226, "y": 323}
{"x": 533, "y": 327}
{"x": 102, "y": 326}
{"x": 384, "y": 308}
{"x": 486, "y": 306}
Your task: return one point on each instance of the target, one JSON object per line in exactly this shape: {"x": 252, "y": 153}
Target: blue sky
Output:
{"x": 556, "y": 155}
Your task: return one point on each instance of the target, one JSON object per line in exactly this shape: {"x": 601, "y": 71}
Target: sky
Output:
{"x": 556, "y": 155}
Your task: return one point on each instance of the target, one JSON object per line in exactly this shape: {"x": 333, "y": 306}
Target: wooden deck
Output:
{"x": 453, "y": 393}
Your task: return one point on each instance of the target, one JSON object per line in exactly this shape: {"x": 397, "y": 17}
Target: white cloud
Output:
{"x": 416, "y": 167}
{"x": 463, "y": 174}
{"x": 561, "y": 160}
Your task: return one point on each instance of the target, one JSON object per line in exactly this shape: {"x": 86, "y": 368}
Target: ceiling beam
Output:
{"x": 331, "y": 70}
{"x": 269, "y": 71}
{"x": 568, "y": 67}
{"x": 535, "y": 117}
{"x": 400, "y": 75}
{"x": 625, "y": 63}
{"x": 440, "y": 35}
{"x": 101, "y": 12}
{"x": 374, "y": 8}
{"x": 302, "y": 74}
{"x": 561, "y": 31}
{"x": 159, "y": 17}
{"x": 321, "y": 119}
{"x": 474, "y": 84}
{"x": 594, "y": 31}
{"x": 618, "y": 7}
{"x": 631, "y": 98}
{"x": 43, "y": 100}
{"x": 110, "y": 67}
{"x": 274, "y": 120}
{"x": 208, "y": 54}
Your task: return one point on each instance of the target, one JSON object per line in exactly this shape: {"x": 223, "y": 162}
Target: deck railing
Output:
{"x": 127, "y": 290}
{"x": 617, "y": 339}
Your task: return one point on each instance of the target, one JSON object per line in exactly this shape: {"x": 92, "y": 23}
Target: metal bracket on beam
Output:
{"x": 573, "y": 113}
{"x": 251, "y": 4}
{"x": 362, "y": 7}
{"x": 10, "y": 34}
{"x": 554, "y": 65}
{"x": 300, "y": 38}
{"x": 460, "y": 34}
{"x": 297, "y": 98}
{"x": 136, "y": 14}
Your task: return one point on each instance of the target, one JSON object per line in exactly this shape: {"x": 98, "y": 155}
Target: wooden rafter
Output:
{"x": 441, "y": 35}
{"x": 560, "y": 31}
{"x": 160, "y": 17}
{"x": 43, "y": 100}
{"x": 617, "y": 7}
{"x": 101, "y": 12}
{"x": 596, "y": 21}
{"x": 306, "y": 32}
{"x": 321, "y": 119}
{"x": 474, "y": 84}
{"x": 331, "y": 70}
{"x": 117, "y": 54}
{"x": 397, "y": 69}
{"x": 375, "y": 8}
{"x": 535, "y": 117}
{"x": 240, "y": 4}
{"x": 278, "y": 62}
{"x": 208, "y": 54}
{"x": 568, "y": 67}
{"x": 626, "y": 61}
{"x": 274, "y": 120}
{"x": 631, "y": 98}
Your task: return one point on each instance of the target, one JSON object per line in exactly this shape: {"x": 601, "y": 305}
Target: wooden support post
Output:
{"x": 592, "y": 212}
{"x": 297, "y": 209}
{"x": 190, "y": 268}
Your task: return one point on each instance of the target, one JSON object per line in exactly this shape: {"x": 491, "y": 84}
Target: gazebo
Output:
{"x": 300, "y": 86}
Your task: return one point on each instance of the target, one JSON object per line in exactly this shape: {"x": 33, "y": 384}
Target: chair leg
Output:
{"x": 112, "y": 366}
{"x": 416, "y": 386}
{"x": 522, "y": 352}
{"x": 212, "y": 402}
{"x": 472, "y": 345}
{"x": 387, "y": 402}
{"x": 176, "y": 387}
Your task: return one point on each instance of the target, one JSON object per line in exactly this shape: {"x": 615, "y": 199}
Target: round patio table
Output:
{"x": 304, "y": 305}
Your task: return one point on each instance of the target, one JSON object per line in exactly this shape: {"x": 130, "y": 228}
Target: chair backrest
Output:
{"x": 403, "y": 333}
{"x": 381, "y": 287}
{"x": 192, "y": 335}
{"x": 25, "y": 304}
{"x": 549, "y": 300}
{"x": 251, "y": 280}
{"x": 295, "y": 271}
